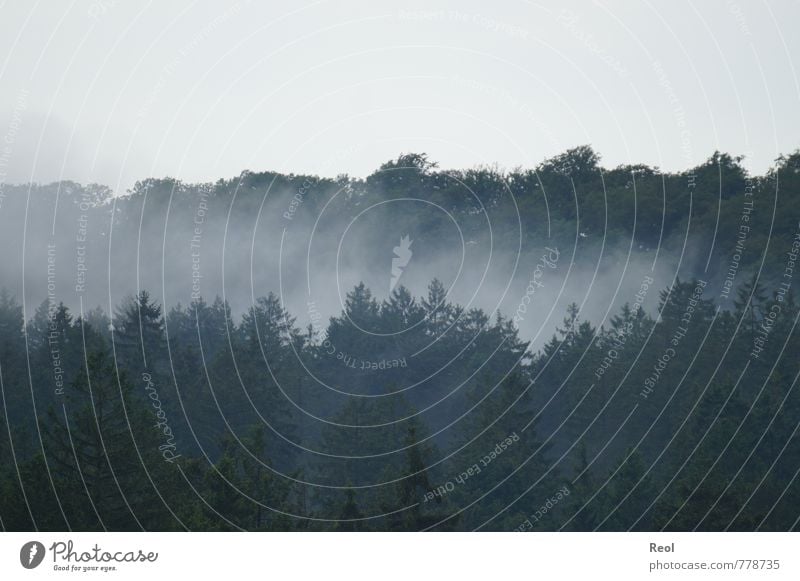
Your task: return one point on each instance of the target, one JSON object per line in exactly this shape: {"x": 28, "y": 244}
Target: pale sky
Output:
{"x": 112, "y": 91}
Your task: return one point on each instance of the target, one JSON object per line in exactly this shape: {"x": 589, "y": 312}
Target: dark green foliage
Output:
{"x": 196, "y": 417}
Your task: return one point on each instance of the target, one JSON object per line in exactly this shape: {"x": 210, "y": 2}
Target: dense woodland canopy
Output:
{"x": 442, "y": 417}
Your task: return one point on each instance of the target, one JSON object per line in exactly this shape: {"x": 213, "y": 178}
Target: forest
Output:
{"x": 218, "y": 395}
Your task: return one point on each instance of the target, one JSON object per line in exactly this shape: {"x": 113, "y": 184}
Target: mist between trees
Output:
{"x": 365, "y": 351}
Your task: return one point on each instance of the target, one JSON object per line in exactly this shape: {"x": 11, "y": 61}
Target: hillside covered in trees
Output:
{"x": 274, "y": 384}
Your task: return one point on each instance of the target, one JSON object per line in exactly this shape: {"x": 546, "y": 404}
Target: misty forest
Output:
{"x": 569, "y": 347}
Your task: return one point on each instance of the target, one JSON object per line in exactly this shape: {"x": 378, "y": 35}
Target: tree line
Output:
{"x": 411, "y": 413}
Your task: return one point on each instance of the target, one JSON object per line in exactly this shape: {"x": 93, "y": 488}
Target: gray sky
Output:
{"x": 112, "y": 91}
